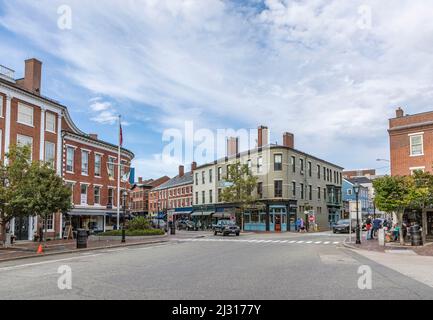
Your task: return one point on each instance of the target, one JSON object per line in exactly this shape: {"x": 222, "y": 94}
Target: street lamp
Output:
{"x": 124, "y": 194}
{"x": 356, "y": 188}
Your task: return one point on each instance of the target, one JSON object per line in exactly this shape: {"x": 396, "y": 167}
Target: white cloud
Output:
{"x": 302, "y": 66}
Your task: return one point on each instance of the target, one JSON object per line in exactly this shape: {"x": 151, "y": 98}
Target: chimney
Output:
{"x": 32, "y": 76}
{"x": 193, "y": 166}
{"x": 289, "y": 140}
{"x": 140, "y": 180}
{"x": 263, "y": 136}
{"x": 232, "y": 146}
{"x": 181, "y": 171}
{"x": 399, "y": 113}
{"x": 93, "y": 136}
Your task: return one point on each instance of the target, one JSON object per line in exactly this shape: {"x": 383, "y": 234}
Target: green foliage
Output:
{"x": 134, "y": 233}
{"x": 392, "y": 194}
{"x": 241, "y": 185}
{"x": 30, "y": 188}
{"x": 139, "y": 223}
{"x": 14, "y": 200}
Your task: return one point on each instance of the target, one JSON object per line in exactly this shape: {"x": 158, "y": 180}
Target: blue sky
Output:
{"x": 331, "y": 72}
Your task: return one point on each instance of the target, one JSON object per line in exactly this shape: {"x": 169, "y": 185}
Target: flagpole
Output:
{"x": 118, "y": 177}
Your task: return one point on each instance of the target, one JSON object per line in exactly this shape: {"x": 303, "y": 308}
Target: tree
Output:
{"x": 422, "y": 196}
{"x": 14, "y": 201}
{"x": 46, "y": 192}
{"x": 240, "y": 185}
{"x": 394, "y": 194}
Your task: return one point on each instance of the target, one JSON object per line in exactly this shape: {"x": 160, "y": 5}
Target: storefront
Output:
{"x": 203, "y": 219}
{"x": 276, "y": 217}
{"x": 91, "y": 220}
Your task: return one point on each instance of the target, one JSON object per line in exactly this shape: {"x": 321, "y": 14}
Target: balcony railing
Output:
{"x": 7, "y": 73}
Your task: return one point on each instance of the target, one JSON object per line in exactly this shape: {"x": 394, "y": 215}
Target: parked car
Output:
{"x": 226, "y": 227}
{"x": 185, "y": 225}
{"x": 159, "y": 223}
{"x": 343, "y": 226}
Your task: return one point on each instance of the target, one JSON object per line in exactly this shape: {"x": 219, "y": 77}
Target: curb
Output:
{"x": 82, "y": 250}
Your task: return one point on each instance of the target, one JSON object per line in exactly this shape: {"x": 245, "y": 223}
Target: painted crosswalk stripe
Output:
{"x": 326, "y": 242}
{"x": 309, "y": 242}
{"x": 336, "y": 242}
{"x": 293, "y": 241}
{"x": 284, "y": 241}
{"x": 318, "y": 242}
{"x": 300, "y": 242}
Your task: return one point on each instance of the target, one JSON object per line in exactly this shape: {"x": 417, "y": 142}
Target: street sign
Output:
{"x": 312, "y": 218}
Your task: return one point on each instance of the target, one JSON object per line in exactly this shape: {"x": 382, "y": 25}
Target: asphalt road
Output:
{"x": 267, "y": 266}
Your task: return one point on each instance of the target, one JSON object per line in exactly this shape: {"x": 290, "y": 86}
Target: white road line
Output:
{"x": 284, "y": 241}
{"x": 336, "y": 242}
{"x": 326, "y": 242}
{"x": 318, "y": 242}
{"x": 309, "y": 242}
{"x": 293, "y": 241}
{"x": 300, "y": 242}
{"x": 47, "y": 262}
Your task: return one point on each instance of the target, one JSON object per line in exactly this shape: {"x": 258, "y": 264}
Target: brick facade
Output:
{"x": 140, "y": 193}
{"x": 401, "y": 129}
{"x": 38, "y": 109}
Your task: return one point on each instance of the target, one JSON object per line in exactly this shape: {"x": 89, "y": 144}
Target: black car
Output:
{"x": 226, "y": 227}
{"x": 185, "y": 225}
{"x": 343, "y": 226}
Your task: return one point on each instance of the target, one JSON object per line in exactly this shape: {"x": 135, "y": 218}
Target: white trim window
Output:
{"x": 413, "y": 169}
{"x": 110, "y": 167}
{"x": 83, "y": 193}
{"x": 416, "y": 145}
{"x": 50, "y": 223}
{"x": 97, "y": 195}
{"x": 1, "y": 141}
{"x": 1, "y": 106}
{"x": 98, "y": 165}
{"x": 25, "y": 114}
{"x": 50, "y": 122}
{"x": 110, "y": 197}
{"x": 25, "y": 141}
{"x": 70, "y": 155}
{"x": 84, "y": 162}
{"x": 50, "y": 153}
{"x": 349, "y": 192}
{"x": 70, "y": 185}
{"x": 259, "y": 165}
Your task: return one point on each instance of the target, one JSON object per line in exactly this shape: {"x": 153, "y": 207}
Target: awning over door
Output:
{"x": 202, "y": 213}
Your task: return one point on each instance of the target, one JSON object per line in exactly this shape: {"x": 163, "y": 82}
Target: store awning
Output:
{"x": 202, "y": 213}
{"x": 222, "y": 215}
{"x": 181, "y": 213}
{"x": 91, "y": 213}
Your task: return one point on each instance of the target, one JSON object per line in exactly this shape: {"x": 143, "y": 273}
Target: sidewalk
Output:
{"x": 373, "y": 245}
{"x": 27, "y": 249}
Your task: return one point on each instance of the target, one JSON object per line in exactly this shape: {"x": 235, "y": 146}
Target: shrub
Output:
{"x": 134, "y": 233}
{"x": 139, "y": 223}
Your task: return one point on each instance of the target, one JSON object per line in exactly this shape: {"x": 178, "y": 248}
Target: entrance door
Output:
{"x": 22, "y": 228}
{"x": 278, "y": 223}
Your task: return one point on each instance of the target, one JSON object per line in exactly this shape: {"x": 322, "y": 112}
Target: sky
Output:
{"x": 331, "y": 72}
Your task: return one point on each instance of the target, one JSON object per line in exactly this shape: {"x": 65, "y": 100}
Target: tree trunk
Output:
{"x": 3, "y": 232}
{"x": 424, "y": 226}
{"x": 400, "y": 224}
{"x": 45, "y": 231}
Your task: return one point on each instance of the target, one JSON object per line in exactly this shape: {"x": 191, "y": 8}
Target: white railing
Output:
{"x": 6, "y": 72}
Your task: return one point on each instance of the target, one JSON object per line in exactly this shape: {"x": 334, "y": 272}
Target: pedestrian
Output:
{"x": 302, "y": 225}
{"x": 368, "y": 227}
{"x": 376, "y": 226}
{"x": 298, "y": 224}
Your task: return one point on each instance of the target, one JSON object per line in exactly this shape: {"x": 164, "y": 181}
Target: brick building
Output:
{"x": 368, "y": 173}
{"x": 83, "y": 160}
{"x": 173, "y": 197}
{"x": 140, "y": 195}
{"x": 411, "y": 148}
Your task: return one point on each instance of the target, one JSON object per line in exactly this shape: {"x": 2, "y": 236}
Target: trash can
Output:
{"x": 172, "y": 228}
{"x": 82, "y": 239}
{"x": 415, "y": 235}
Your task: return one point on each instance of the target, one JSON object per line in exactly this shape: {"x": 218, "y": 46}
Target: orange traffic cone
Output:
{"x": 40, "y": 249}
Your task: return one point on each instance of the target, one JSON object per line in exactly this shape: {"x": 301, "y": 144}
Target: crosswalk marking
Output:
{"x": 261, "y": 241}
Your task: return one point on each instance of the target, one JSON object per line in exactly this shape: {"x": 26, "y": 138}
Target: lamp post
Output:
{"x": 124, "y": 194}
{"x": 356, "y": 188}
